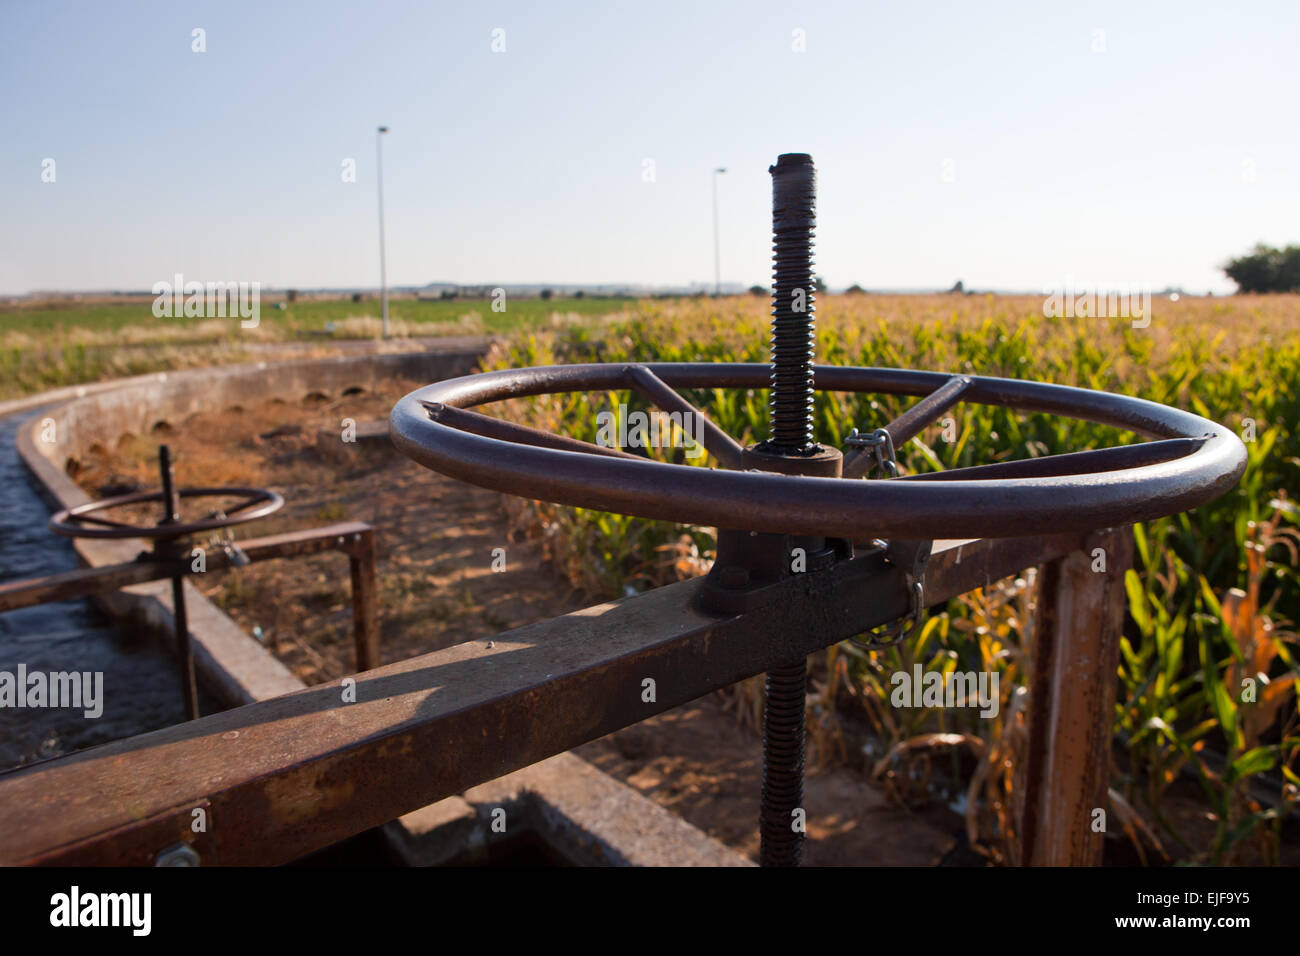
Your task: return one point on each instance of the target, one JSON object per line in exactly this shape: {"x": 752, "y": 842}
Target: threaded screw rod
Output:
{"x": 790, "y": 417}
{"x": 783, "y": 739}
{"x": 790, "y": 413}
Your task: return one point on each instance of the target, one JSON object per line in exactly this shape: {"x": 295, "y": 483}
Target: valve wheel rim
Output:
{"x": 257, "y": 503}
{"x": 1207, "y": 462}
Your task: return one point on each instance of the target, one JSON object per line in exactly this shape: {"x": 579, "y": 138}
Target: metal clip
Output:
{"x": 881, "y": 444}
{"x": 912, "y": 557}
{"x": 235, "y": 554}
{"x": 224, "y": 540}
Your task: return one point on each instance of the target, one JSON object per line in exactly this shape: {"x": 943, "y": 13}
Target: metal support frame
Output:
{"x": 284, "y": 777}
{"x": 1072, "y": 703}
{"x": 356, "y": 539}
{"x": 172, "y": 548}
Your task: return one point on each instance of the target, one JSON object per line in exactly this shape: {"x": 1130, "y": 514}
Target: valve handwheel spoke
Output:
{"x": 489, "y": 427}
{"x": 243, "y": 506}
{"x": 1092, "y": 462}
{"x": 722, "y": 446}
{"x": 639, "y": 378}
{"x": 924, "y": 413}
{"x": 92, "y": 519}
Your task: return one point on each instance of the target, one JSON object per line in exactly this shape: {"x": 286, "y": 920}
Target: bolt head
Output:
{"x": 182, "y": 854}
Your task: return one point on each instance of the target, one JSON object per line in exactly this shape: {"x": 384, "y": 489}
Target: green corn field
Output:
{"x": 1207, "y": 696}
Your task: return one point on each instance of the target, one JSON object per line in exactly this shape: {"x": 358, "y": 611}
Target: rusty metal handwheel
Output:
{"x": 1192, "y": 461}
{"x": 169, "y": 536}
{"x": 85, "y": 521}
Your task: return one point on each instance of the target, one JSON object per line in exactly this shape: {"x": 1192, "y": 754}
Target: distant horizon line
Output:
{"x": 628, "y": 289}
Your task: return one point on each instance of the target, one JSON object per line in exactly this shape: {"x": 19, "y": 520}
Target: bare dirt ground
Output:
{"x": 435, "y": 537}
{"x": 699, "y": 762}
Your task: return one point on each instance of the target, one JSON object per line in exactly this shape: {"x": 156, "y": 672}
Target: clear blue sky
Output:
{"x": 1150, "y": 162}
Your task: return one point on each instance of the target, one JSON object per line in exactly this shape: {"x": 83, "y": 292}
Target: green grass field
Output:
{"x": 47, "y": 345}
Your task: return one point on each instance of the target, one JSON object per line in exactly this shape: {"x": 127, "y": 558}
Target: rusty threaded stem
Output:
{"x": 794, "y": 189}
{"x": 783, "y": 739}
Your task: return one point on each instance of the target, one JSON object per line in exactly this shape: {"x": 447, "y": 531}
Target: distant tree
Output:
{"x": 1266, "y": 269}
{"x": 819, "y": 285}
{"x": 854, "y": 289}
{"x": 546, "y": 293}
{"x": 356, "y": 296}
{"x": 757, "y": 290}
{"x": 292, "y": 295}
{"x": 447, "y": 294}
{"x": 958, "y": 289}
{"x": 579, "y": 294}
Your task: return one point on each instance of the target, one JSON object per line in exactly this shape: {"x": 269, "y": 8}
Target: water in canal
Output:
{"x": 140, "y": 684}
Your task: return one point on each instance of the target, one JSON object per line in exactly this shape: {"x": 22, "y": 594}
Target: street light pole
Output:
{"x": 717, "y": 258}
{"x": 383, "y": 270}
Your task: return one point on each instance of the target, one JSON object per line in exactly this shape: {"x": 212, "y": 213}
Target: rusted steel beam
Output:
{"x": 81, "y": 582}
{"x": 1072, "y": 703}
{"x": 287, "y": 776}
{"x": 292, "y": 544}
{"x": 365, "y": 600}
{"x": 86, "y": 581}
{"x": 184, "y": 648}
